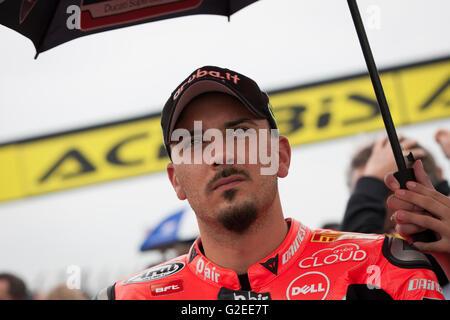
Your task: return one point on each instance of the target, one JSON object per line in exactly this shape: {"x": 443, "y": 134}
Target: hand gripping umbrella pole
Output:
{"x": 403, "y": 174}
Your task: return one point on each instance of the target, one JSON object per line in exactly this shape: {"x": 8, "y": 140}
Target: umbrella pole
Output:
{"x": 403, "y": 174}
{"x": 377, "y": 86}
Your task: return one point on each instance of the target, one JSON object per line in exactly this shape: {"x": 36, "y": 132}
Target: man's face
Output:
{"x": 222, "y": 192}
{"x": 4, "y": 290}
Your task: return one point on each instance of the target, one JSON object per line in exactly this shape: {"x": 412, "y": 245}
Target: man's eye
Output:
{"x": 191, "y": 143}
{"x": 242, "y": 128}
{"x": 238, "y": 131}
{"x": 196, "y": 141}
{"x": 241, "y": 131}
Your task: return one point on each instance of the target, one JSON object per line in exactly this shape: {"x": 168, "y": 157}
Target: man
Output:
{"x": 247, "y": 249}
{"x": 13, "y": 288}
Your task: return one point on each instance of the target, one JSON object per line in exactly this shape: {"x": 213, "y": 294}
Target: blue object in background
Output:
{"x": 166, "y": 233}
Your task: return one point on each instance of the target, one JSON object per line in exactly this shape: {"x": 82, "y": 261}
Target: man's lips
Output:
{"x": 227, "y": 183}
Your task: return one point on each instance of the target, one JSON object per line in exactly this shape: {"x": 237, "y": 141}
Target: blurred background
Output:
{"x": 77, "y": 101}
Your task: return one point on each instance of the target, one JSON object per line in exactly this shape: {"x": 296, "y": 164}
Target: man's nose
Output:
{"x": 223, "y": 156}
{"x": 221, "y": 153}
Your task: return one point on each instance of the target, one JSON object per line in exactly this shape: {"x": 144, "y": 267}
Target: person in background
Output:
{"x": 366, "y": 209}
{"x": 62, "y": 292}
{"x": 13, "y": 288}
{"x": 442, "y": 137}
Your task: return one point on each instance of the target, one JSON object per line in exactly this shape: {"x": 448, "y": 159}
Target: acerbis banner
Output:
{"x": 305, "y": 114}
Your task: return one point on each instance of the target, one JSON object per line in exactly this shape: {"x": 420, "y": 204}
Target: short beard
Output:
{"x": 229, "y": 194}
{"x": 238, "y": 218}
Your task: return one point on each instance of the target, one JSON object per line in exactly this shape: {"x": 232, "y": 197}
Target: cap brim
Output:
{"x": 197, "y": 89}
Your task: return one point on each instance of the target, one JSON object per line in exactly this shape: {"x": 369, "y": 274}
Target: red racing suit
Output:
{"x": 309, "y": 264}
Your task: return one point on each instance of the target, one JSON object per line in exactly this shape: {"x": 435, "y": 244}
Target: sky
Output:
{"x": 132, "y": 71}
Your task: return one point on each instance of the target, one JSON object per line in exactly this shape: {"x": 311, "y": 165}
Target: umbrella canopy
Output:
{"x": 180, "y": 226}
{"x": 49, "y": 23}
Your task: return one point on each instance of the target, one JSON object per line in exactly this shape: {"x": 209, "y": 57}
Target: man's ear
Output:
{"x": 284, "y": 156}
{"x": 174, "y": 181}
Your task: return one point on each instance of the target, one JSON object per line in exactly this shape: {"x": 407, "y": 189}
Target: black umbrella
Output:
{"x": 49, "y": 23}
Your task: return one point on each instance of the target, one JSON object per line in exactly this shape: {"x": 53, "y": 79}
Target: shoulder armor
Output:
{"x": 107, "y": 293}
{"x": 404, "y": 255}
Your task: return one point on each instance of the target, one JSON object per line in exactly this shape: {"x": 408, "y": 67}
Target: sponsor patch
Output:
{"x": 309, "y": 286}
{"x": 228, "y": 294}
{"x": 424, "y": 284}
{"x": 337, "y": 236}
{"x": 165, "y": 288}
{"x": 294, "y": 246}
{"x": 208, "y": 272}
{"x": 361, "y": 236}
{"x": 156, "y": 273}
{"x": 341, "y": 253}
{"x": 324, "y": 236}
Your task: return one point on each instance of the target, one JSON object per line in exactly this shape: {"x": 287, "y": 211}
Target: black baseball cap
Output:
{"x": 214, "y": 79}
